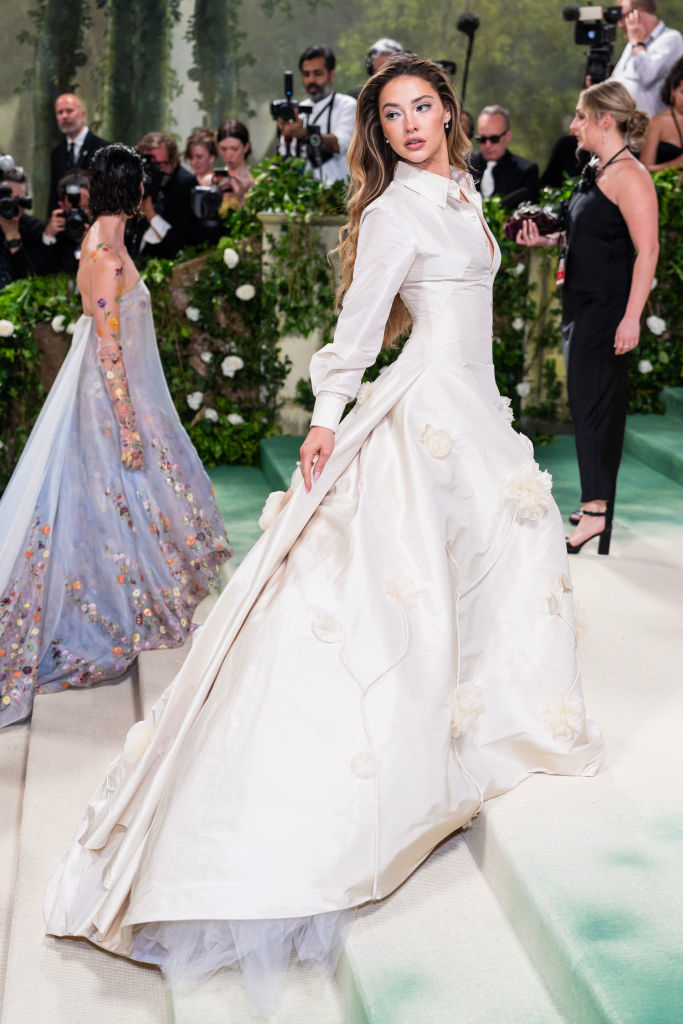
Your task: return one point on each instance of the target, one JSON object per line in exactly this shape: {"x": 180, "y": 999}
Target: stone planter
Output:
{"x": 296, "y": 347}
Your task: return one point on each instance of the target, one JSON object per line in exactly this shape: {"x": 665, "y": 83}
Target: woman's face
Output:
{"x": 677, "y": 98}
{"x": 201, "y": 161}
{"x": 233, "y": 151}
{"x": 412, "y": 116}
{"x": 585, "y": 128}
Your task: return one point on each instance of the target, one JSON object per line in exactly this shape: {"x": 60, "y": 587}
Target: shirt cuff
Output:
{"x": 156, "y": 230}
{"x": 328, "y": 410}
{"x": 49, "y": 239}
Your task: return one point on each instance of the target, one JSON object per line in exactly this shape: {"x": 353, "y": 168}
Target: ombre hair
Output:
{"x": 372, "y": 164}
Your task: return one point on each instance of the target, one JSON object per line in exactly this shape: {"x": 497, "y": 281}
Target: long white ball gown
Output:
{"x": 397, "y": 648}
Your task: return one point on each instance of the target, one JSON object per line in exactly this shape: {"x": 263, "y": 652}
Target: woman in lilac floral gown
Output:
{"x": 110, "y": 532}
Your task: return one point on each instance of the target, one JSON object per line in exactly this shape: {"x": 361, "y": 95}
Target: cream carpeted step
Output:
{"x": 589, "y": 870}
{"x": 73, "y": 737}
{"x": 13, "y": 755}
{"x": 441, "y": 950}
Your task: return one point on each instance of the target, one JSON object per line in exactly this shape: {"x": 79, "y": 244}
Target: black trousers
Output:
{"x": 597, "y": 384}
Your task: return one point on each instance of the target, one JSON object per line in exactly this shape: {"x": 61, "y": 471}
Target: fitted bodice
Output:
{"x": 600, "y": 254}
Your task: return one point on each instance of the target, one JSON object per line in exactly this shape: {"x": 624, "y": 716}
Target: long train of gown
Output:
{"x": 98, "y": 562}
{"x": 397, "y": 648}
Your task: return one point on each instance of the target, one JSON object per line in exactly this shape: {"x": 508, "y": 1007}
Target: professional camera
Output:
{"x": 288, "y": 108}
{"x": 152, "y": 177}
{"x": 597, "y": 28}
{"x": 10, "y": 206}
{"x": 75, "y": 219}
{"x": 205, "y": 202}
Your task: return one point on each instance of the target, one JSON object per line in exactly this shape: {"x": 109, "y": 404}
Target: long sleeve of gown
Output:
{"x": 384, "y": 257}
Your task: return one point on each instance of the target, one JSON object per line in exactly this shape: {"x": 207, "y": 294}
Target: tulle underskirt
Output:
{"x": 190, "y": 951}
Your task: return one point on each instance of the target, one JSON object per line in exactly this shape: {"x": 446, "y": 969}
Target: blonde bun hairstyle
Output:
{"x": 613, "y": 98}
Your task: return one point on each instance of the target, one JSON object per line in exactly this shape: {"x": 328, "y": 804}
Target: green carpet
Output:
{"x": 241, "y": 492}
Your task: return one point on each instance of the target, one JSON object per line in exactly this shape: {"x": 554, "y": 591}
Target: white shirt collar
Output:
{"x": 432, "y": 186}
{"x": 80, "y": 138}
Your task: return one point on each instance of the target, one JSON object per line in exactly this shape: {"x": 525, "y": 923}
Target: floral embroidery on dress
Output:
{"x": 364, "y": 765}
{"x": 563, "y": 717}
{"x": 327, "y": 628}
{"x": 530, "y": 490}
{"x": 506, "y": 409}
{"x": 467, "y": 705}
{"x": 401, "y": 590}
{"x": 438, "y": 443}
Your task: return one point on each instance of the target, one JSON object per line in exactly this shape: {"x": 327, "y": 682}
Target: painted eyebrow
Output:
{"x": 416, "y": 100}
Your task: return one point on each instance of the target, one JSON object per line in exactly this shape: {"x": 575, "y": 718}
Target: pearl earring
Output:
{"x": 447, "y": 124}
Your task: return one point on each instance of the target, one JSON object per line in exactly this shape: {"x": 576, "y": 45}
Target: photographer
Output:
{"x": 166, "y": 206}
{"x": 68, "y": 223}
{"x": 651, "y": 50}
{"x": 323, "y": 135}
{"x": 234, "y": 147}
{"x": 21, "y": 248}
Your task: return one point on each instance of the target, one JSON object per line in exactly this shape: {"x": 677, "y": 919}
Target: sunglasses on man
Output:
{"x": 495, "y": 139}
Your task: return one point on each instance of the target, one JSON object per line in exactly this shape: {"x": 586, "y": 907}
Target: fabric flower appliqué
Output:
{"x": 137, "y": 740}
{"x": 506, "y": 409}
{"x": 275, "y": 502}
{"x": 563, "y": 717}
{"x": 401, "y": 590}
{"x": 466, "y": 706}
{"x": 365, "y": 392}
{"x": 327, "y": 628}
{"x": 530, "y": 491}
{"x": 364, "y": 765}
{"x": 438, "y": 443}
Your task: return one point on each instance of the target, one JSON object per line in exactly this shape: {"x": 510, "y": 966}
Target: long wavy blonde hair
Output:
{"x": 372, "y": 164}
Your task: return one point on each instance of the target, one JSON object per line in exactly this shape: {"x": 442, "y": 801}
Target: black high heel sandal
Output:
{"x": 575, "y": 517}
{"x": 604, "y": 537}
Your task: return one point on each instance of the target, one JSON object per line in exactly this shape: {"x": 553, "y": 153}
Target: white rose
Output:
{"x": 275, "y": 502}
{"x": 530, "y": 490}
{"x": 192, "y": 313}
{"x": 563, "y": 717}
{"x": 211, "y": 414}
{"x": 518, "y": 269}
{"x": 206, "y": 357}
{"x": 656, "y": 325}
{"x": 523, "y": 388}
{"x": 654, "y": 284}
{"x": 6, "y": 328}
{"x": 518, "y": 324}
{"x": 230, "y": 365}
{"x": 645, "y": 366}
{"x": 439, "y": 443}
{"x": 245, "y": 292}
{"x": 234, "y": 418}
{"x": 71, "y": 328}
{"x": 230, "y": 258}
{"x": 364, "y": 392}
{"x": 57, "y": 323}
{"x": 195, "y": 400}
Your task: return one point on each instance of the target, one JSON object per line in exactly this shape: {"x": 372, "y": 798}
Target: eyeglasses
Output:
{"x": 489, "y": 138}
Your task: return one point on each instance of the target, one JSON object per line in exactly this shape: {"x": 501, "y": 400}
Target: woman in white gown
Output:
{"x": 399, "y": 645}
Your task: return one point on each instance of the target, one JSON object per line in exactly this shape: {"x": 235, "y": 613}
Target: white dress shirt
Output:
{"x": 342, "y": 118}
{"x": 643, "y": 71}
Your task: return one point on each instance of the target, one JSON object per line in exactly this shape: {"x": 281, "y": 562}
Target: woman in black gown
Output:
{"x": 611, "y": 253}
{"x": 663, "y": 146}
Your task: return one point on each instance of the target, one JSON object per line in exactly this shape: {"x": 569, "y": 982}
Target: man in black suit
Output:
{"x": 501, "y": 172}
{"x": 76, "y": 149}
{"x": 170, "y": 222}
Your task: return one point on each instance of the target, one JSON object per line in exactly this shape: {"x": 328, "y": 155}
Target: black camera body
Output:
{"x": 288, "y": 109}
{"x": 596, "y": 27}
{"x": 205, "y": 202}
{"x": 11, "y": 206}
{"x": 152, "y": 177}
{"x": 75, "y": 219}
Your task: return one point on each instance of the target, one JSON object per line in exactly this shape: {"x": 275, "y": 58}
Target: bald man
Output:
{"x": 78, "y": 145}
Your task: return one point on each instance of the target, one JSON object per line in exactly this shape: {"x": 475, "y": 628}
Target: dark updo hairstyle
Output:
{"x": 115, "y": 180}
{"x": 671, "y": 82}
{"x": 235, "y": 130}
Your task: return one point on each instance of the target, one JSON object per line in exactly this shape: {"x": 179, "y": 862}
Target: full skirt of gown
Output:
{"x": 98, "y": 562}
{"x": 396, "y": 649}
